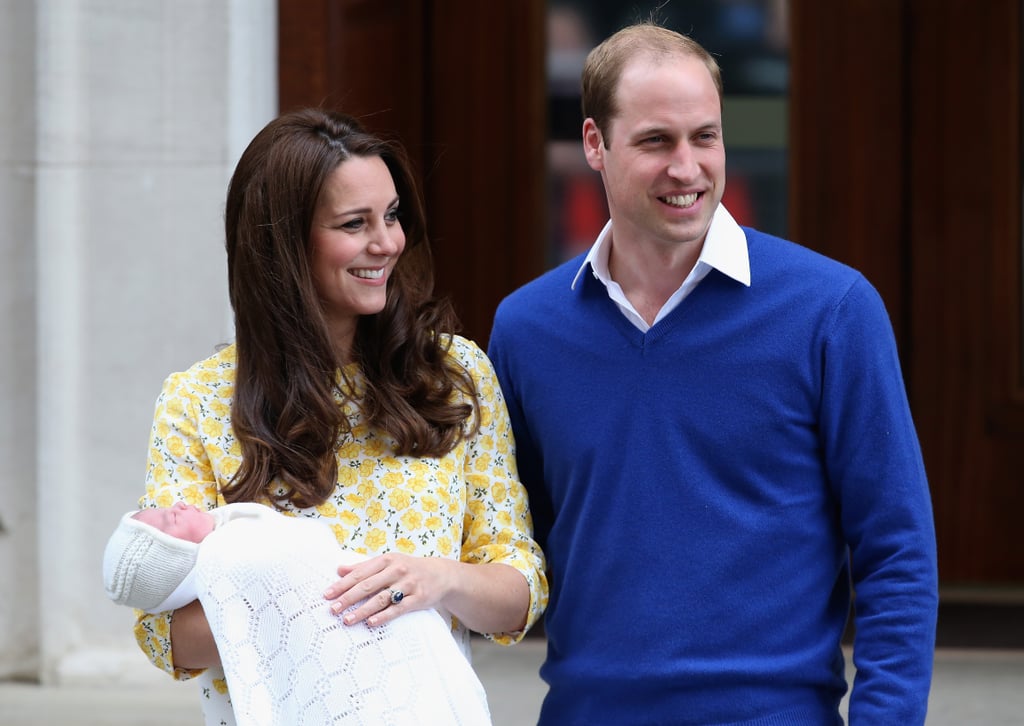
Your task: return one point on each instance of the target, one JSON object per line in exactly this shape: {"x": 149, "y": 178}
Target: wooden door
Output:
{"x": 905, "y": 159}
{"x": 462, "y": 84}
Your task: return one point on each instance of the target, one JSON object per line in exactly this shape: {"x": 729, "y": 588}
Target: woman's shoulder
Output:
{"x": 462, "y": 347}
{"x": 468, "y": 354}
{"x": 215, "y": 370}
{"x": 223, "y": 358}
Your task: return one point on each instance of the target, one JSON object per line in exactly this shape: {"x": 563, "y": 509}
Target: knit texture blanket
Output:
{"x": 289, "y": 661}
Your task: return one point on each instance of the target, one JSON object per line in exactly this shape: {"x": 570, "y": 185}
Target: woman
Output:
{"x": 348, "y": 397}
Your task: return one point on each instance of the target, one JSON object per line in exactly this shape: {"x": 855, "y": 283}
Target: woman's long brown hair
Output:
{"x": 285, "y": 412}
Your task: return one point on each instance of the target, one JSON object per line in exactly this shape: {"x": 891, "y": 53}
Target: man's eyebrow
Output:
{"x": 650, "y": 131}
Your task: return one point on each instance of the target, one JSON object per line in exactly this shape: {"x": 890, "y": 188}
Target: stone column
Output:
{"x": 126, "y": 119}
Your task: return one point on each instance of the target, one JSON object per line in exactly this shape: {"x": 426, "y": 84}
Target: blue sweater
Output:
{"x": 707, "y": 493}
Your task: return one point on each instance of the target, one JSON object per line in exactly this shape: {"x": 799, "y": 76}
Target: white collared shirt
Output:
{"x": 725, "y": 250}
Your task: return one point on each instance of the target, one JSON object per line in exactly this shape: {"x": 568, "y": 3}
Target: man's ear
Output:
{"x": 593, "y": 145}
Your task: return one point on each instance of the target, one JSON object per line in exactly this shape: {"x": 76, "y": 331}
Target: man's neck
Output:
{"x": 650, "y": 274}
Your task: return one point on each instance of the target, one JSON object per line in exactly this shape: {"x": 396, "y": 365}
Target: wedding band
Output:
{"x": 396, "y": 596}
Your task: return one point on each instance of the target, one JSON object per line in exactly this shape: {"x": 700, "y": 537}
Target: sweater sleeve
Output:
{"x": 497, "y": 525}
{"x": 178, "y": 469}
{"x": 875, "y": 467}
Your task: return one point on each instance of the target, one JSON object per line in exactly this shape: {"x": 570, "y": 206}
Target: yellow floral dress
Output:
{"x": 468, "y": 505}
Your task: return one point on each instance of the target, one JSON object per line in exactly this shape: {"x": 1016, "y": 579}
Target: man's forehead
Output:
{"x": 640, "y": 94}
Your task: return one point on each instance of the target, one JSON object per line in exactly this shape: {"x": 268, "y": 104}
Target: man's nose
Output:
{"x": 683, "y": 162}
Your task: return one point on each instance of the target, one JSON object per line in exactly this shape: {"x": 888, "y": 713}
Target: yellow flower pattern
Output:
{"x": 468, "y": 505}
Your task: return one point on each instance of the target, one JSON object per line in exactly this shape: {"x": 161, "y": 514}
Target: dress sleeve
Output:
{"x": 178, "y": 469}
{"x": 497, "y": 526}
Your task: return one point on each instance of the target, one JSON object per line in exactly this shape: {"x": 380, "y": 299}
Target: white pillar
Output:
{"x": 141, "y": 109}
{"x": 19, "y": 566}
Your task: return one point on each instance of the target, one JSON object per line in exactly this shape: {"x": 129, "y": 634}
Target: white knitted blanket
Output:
{"x": 289, "y": 661}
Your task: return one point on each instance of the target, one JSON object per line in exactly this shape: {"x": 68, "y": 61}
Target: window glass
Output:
{"x": 749, "y": 38}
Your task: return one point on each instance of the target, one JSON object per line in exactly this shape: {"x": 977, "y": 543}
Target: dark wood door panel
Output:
{"x": 848, "y": 126}
{"x": 905, "y": 163}
{"x": 363, "y": 57}
{"x": 461, "y": 83}
{"x": 966, "y": 295}
{"x": 486, "y": 183}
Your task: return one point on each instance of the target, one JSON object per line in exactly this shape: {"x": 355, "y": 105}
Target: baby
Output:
{"x": 152, "y": 554}
{"x": 260, "y": 576}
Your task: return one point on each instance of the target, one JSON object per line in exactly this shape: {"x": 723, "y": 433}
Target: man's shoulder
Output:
{"x": 529, "y": 317}
{"x": 549, "y": 287}
{"x": 810, "y": 280}
{"x": 768, "y": 252}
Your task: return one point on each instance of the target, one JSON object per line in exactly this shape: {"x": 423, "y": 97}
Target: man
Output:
{"x": 713, "y": 428}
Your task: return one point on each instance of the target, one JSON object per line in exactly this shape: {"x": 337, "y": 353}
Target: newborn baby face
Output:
{"x": 183, "y": 521}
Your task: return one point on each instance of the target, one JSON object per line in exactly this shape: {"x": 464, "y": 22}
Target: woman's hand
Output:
{"x": 390, "y": 584}
{"x": 488, "y": 598}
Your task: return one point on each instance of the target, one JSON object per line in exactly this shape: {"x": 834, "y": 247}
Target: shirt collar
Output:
{"x": 725, "y": 249}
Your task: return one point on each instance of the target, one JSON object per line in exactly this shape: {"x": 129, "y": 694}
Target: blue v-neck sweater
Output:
{"x": 707, "y": 493}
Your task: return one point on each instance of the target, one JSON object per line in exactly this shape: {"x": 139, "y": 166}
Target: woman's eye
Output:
{"x": 392, "y": 215}
{"x": 352, "y": 225}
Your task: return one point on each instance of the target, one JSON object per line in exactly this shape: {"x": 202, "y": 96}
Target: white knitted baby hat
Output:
{"x": 142, "y": 565}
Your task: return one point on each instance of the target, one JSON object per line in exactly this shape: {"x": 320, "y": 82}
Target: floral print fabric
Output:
{"x": 468, "y": 505}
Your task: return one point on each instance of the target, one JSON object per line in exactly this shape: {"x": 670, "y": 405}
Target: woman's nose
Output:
{"x": 385, "y": 241}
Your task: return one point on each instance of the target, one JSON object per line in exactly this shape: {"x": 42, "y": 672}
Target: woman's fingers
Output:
{"x": 381, "y": 589}
{"x": 368, "y": 590}
{"x": 385, "y": 605}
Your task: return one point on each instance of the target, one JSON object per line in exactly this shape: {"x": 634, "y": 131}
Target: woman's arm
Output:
{"x": 191, "y": 638}
{"x": 497, "y": 526}
{"x": 487, "y": 598}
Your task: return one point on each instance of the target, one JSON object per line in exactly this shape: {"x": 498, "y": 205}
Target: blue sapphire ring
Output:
{"x": 396, "y": 596}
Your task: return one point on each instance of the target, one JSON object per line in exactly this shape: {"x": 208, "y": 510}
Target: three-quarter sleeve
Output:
{"x": 497, "y": 526}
